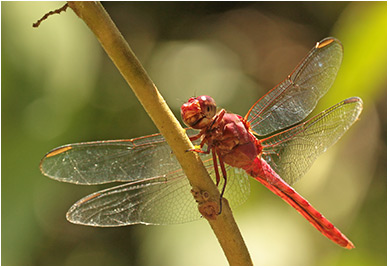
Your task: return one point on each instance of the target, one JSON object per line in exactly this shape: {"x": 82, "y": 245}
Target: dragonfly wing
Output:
{"x": 159, "y": 200}
{"x": 108, "y": 161}
{"x": 292, "y": 152}
{"x": 156, "y": 192}
{"x": 295, "y": 98}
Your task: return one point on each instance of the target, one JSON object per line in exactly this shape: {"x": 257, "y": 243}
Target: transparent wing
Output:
{"x": 157, "y": 191}
{"x": 111, "y": 161}
{"x": 295, "y": 98}
{"x": 291, "y": 152}
{"x": 159, "y": 200}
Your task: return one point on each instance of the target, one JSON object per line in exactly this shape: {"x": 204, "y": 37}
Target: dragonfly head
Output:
{"x": 198, "y": 112}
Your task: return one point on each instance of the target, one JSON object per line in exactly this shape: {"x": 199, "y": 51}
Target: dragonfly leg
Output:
{"x": 196, "y": 137}
{"x": 224, "y": 172}
{"x": 217, "y": 175}
{"x": 218, "y": 118}
{"x": 199, "y": 151}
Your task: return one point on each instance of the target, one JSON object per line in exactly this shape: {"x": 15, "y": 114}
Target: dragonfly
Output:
{"x": 271, "y": 144}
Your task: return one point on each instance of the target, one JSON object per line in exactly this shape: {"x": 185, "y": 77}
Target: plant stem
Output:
{"x": 224, "y": 227}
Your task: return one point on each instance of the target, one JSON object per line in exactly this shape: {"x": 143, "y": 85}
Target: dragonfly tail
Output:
{"x": 274, "y": 183}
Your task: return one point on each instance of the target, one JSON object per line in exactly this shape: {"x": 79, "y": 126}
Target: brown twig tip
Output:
{"x": 57, "y": 11}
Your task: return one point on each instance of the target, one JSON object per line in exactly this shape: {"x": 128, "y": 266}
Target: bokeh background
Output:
{"x": 59, "y": 87}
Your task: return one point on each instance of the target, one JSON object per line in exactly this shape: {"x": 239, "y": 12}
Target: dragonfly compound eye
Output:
{"x": 208, "y": 106}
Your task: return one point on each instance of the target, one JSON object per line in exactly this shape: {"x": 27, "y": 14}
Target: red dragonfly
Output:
{"x": 156, "y": 189}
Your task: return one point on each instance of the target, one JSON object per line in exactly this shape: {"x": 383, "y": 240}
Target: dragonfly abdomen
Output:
{"x": 263, "y": 173}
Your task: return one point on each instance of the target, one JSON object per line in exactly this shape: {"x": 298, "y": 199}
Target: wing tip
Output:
{"x": 52, "y": 153}
{"x": 353, "y": 99}
{"x": 58, "y": 150}
{"x": 326, "y": 42}
{"x": 357, "y": 102}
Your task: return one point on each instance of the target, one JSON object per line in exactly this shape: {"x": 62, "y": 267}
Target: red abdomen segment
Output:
{"x": 263, "y": 173}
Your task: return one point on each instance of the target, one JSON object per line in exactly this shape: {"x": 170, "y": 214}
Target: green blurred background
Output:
{"x": 59, "y": 87}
